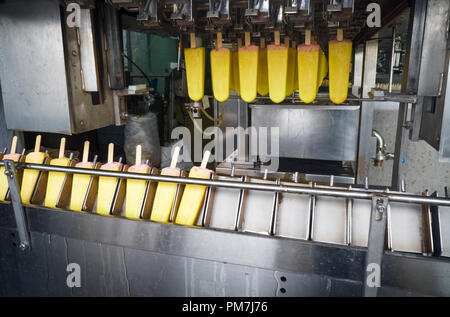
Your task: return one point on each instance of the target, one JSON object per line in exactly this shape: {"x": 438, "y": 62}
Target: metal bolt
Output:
{"x": 23, "y": 246}
{"x": 380, "y": 207}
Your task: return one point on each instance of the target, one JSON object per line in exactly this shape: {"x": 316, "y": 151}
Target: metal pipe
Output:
{"x": 340, "y": 193}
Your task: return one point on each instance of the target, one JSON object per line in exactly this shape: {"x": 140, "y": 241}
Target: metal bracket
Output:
{"x": 19, "y": 214}
{"x": 377, "y": 232}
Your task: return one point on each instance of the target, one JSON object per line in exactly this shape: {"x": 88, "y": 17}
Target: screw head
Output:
{"x": 381, "y": 208}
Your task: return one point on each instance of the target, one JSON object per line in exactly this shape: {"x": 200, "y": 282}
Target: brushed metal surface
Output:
{"x": 323, "y": 133}
{"x": 444, "y": 147}
{"x": 432, "y": 62}
{"x": 87, "y": 52}
{"x": 33, "y": 74}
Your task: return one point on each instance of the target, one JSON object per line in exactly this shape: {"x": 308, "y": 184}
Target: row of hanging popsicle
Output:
{"x": 80, "y": 192}
{"x": 275, "y": 70}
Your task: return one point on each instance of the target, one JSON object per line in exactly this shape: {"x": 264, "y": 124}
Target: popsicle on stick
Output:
{"x": 308, "y": 68}
{"x": 291, "y": 67}
{"x": 263, "y": 81}
{"x": 59, "y": 184}
{"x": 323, "y": 68}
{"x": 195, "y": 69}
{"x": 294, "y": 52}
{"x": 166, "y": 192}
{"x": 220, "y": 70}
{"x": 277, "y": 67}
{"x": 137, "y": 200}
{"x": 84, "y": 187}
{"x": 340, "y": 53}
{"x": 235, "y": 72}
{"x": 34, "y": 181}
{"x": 111, "y": 190}
{"x": 193, "y": 195}
{"x": 248, "y": 70}
{"x": 15, "y": 157}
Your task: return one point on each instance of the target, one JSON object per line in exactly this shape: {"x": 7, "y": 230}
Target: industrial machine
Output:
{"x": 328, "y": 124}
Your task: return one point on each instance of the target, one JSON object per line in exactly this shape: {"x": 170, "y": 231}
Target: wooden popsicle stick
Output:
{"x": 14, "y": 145}
{"x": 62, "y": 147}
{"x": 193, "y": 41}
{"x": 340, "y": 35}
{"x": 110, "y": 152}
{"x": 286, "y": 41}
{"x": 262, "y": 42}
{"x": 138, "y": 154}
{"x": 37, "y": 144}
{"x": 239, "y": 40}
{"x": 85, "y": 152}
{"x": 294, "y": 44}
{"x": 205, "y": 159}
{"x": 277, "y": 37}
{"x": 308, "y": 37}
{"x": 176, "y": 153}
{"x": 219, "y": 40}
{"x": 247, "y": 39}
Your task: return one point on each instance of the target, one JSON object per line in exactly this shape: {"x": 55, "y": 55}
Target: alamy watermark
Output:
{"x": 251, "y": 144}
{"x": 74, "y": 277}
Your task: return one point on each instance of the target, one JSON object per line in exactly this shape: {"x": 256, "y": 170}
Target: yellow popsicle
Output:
{"x": 323, "y": 68}
{"x": 31, "y": 177}
{"x": 165, "y": 192}
{"x": 248, "y": 70}
{"x": 263, "y": 81}
{"x": 308, "y": 68}
{"x": 137, "y": 189}
{"x": 220, "y": 73}
{"x": 107, "y": 185}
{"x": 294, "y": 46}
{"x": 4, "y": 187}
{"x": 340, "y": 53}
{"x": 195, "y": 70}
{"x": 277, "y": 67}
{"x": 235, "y": 71}
{"x": 291, "y": 72}
{"x": 193, "y": 195}
{"x": 56, "y": 180}
{"x": 82, "y": 184}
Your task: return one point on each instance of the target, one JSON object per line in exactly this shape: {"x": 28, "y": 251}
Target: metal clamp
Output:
{"x": 377, "y": 232}
{"x": 21, "y": 222}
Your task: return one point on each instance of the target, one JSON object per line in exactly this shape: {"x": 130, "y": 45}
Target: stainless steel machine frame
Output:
{"x": 197, "y": 244}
